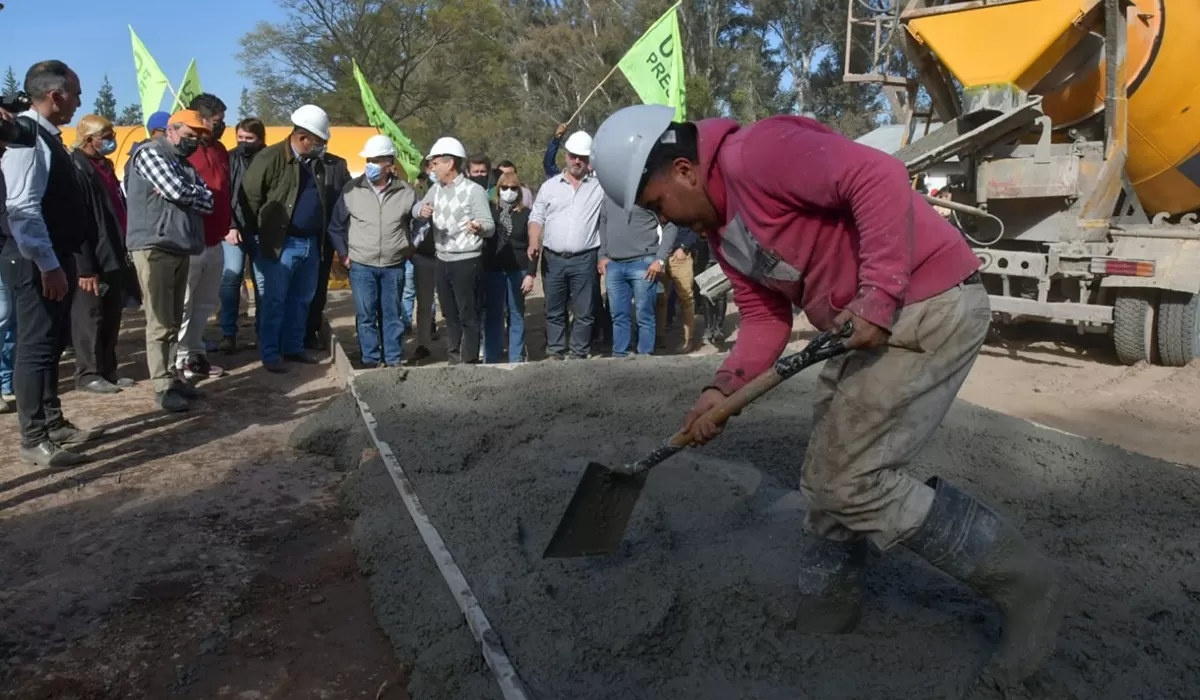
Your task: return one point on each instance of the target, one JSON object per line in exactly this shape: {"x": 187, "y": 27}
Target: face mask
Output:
{"x": 374, "y": 172}
{"x": 480, "y": 180}
{"x": 187, "y": 146}
{"x": 218, "y": 128}
{"x": 249, "y": 149}
{"x": 508, "y": 196}
{"x": 107, "y": 146}
{"x": 317, "y": 151}
{"x": 432, "y": 177}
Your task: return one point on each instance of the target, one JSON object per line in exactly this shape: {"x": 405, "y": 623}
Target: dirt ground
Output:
{"x": 198, "y": 556}
{"x": 195, "y": 556}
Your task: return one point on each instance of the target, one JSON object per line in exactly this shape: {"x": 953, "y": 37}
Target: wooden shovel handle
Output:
{"x": 735, "y": 402}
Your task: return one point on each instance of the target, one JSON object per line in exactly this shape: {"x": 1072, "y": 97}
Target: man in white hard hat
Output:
{"x": 286, "y": 201}
{"x": 798, "y": 215}
{"x": 565, "y": 227}
{"x": 371, "y": 231}
{"x": 460, "y": 219}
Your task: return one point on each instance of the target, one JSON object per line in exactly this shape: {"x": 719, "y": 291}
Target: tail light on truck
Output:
{"x": 1125, "y": 268}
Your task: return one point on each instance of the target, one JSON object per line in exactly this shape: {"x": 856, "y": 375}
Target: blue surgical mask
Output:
{"x": 374, "y": 172}
{"x": 107, "y": 147}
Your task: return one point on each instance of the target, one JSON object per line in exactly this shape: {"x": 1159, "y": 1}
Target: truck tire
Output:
{"x": 1178, "y": 328}
{"x": 1133, "y": 326}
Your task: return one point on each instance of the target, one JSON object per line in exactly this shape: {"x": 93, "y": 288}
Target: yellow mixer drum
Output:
{"x": 1021, "y": 43}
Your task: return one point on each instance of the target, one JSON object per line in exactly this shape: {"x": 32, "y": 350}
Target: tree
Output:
{"x": 245, "y": 105}
{"x": 130, "y": 116}
{"x": 10, "y": 82}
{"x": 106, "y": 101}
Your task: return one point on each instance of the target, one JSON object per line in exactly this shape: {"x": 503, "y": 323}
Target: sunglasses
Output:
{"x": 509, "y": 188}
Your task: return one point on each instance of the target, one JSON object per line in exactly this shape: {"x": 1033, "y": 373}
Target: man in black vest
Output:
{"x": 48, "y": 220}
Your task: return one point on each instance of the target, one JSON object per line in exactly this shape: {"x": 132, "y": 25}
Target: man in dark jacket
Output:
{"x": 238, "y": 246}
{"x": 97, "y": 305}
{"x": 167, "y": 205}
{"x": 287, "y": 207}
{"x": 48, "y": 221}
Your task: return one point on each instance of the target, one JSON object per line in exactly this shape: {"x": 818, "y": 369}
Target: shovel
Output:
{"x": 599, "y": 511}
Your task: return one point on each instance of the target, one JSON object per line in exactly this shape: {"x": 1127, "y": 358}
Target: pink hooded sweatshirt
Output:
{"x": 815, "y": 220}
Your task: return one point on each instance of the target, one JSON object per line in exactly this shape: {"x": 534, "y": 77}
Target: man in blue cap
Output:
{"x": 156, "y": 125}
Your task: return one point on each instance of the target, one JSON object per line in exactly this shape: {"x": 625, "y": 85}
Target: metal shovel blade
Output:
{"x": 597, "y": 515}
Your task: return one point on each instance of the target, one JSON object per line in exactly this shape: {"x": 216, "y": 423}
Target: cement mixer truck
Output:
{"x": 1076, "y": 127}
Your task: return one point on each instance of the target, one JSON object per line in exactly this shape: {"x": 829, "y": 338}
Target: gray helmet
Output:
{"x": 621, "y": 147}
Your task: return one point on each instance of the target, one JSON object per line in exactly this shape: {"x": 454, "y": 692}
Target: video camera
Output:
{"x": 14, "y": 131}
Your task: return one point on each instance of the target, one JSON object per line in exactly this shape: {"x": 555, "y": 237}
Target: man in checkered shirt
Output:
{"x": 167, "y": 204}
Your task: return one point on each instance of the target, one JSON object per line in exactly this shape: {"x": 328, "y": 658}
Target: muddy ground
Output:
{"x": 696, "y": 604}
{"x": 196, "y": 556}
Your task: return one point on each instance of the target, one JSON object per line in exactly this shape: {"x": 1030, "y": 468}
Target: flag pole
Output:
{"x": 593, "y": 93}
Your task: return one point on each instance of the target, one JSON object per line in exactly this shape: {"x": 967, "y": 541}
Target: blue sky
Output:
{"x": 94, "y": 40}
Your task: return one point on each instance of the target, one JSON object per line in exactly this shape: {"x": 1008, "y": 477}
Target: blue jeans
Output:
{"x": 377, "y": 292}
{"x": 8, "y": 339}
{"x": 626, "y": 281}
{"x": 503, "y": 288}
{"x": 286, "y": 287}
{"x": 409, "y": 299}
{"x": 232, "y": 279}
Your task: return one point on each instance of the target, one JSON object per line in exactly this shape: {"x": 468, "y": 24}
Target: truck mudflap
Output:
{"x": 1176, "y": 263}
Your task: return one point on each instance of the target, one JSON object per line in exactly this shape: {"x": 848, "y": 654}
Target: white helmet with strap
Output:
{"x": 622, "y": 146}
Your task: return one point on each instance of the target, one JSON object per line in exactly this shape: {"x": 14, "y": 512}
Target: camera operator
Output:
{"x": 48, "y": 222}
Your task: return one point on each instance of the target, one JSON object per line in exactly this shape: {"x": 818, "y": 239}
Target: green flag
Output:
{"x": 406, "y": 153}
{"x": 151, "y": 81}
{"x": 189, "y": 88}
{"x": 654, "y": 66}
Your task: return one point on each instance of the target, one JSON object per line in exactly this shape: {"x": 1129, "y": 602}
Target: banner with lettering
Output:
{"x": 654, "y": 66}
{"x": 407, "y": 154}
{"x": 189, "y": 88}
{"x": 151, "y": 81}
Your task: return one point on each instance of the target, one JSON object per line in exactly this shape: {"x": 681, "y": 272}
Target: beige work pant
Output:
{"x": 163, "y": 277}
{"x": 200, "y": 301}
{"x": 875, "y": 410}
{"x": 681, "y": 274}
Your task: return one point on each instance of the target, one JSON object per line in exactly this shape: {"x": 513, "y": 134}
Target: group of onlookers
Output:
{"x": 480, "y": 238}
{"x": 179, "y": 231}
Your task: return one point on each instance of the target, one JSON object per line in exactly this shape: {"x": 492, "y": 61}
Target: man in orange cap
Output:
{"x": 167, "y": 202}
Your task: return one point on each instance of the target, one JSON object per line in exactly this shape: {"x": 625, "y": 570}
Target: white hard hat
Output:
{"x": 378, "y": 146}
{"x": 312, "y": 119}
{"x": 579, "y": 143}
{"x": 447, "y": 146}
{"x": 622, "y": 146}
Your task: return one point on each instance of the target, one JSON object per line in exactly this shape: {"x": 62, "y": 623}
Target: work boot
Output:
{"x": 301, "y": 358}
{"x": 419, "y": 355}
{"x": 971, "y": 542}
{"x": 171, "y": 401}
{"x": 228, "y": 344}
{"x": 831, "y": 585}
{"x": 67, "y": 433}
{"x": 49, "y": 455}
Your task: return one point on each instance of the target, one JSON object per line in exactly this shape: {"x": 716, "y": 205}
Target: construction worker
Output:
{"x": 847, "y": 240}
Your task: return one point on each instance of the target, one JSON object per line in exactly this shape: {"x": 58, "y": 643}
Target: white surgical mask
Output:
{"x": 508, "y": 196}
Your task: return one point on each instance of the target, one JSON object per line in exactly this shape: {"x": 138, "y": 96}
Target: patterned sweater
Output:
{"x": 454, "y": 206}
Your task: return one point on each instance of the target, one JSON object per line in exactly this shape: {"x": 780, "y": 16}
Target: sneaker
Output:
{"x": 67, "y": 433}
{"x": 199, "y": 367}
{"x": 122, "y": 382}
{"x": 9, "y": 398}
{"x": 171, "y": 401}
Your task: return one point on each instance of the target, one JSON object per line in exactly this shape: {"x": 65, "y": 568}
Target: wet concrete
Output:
{"x": 697, "y": 604}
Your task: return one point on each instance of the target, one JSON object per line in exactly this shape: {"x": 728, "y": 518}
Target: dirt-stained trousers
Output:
{"x": 874, "y": 411}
